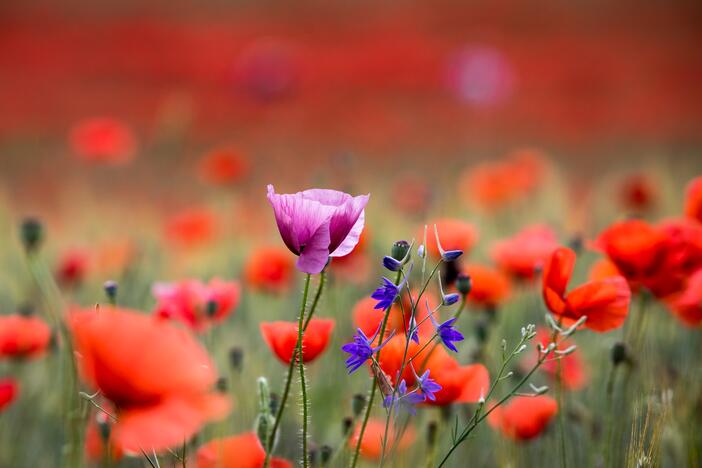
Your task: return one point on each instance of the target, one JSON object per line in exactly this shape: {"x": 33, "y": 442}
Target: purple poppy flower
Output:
{"x": 317, "y": 223}
{"x": 361, "y": 349}
{"x": 404, "y": 400}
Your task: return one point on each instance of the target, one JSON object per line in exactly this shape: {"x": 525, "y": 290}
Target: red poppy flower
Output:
{"x": 490, "y": 287}
{"x": 687, "y": 305}
{"x": 460, "y": 384}
{"x": 103, "y": 140}
{"x": 454, "y": 234}
{"x": 8, "y": 392}
{"x": 157, "y": 377}
{"x": 223, "y": 166}
{"x": 23, "y": 337}
{"x": 196, "y": 304}
{"x": 604, "y": 302}
{"x": 601, "y": 269}
{"x": 281, "y": 338}
{"x": 693, "y": 199}
{"x": 239, "y": 451}
{"x": 525, "y": 253}
{"x": 192, "y": 227}
{"x": 372, "y": 443}
{"x": 524, "y": 418}
{"x": 573, "y": 372}
{"x": 269, "y": 269}
{"x": 683, "y": 256}
{"x": 72, "y": 267}
{"x": 638, "y": 193}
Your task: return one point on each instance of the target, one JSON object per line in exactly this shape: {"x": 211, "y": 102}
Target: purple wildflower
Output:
{"x": 316, "y": 224}
{"x": 406, "y": 401}
{"x": 391, "y": 263}
{"x": 427, "y": 385}
{"x": 447, "y": 333}
{"x": 361, "y": 349}
{"x": 446, "y": 255}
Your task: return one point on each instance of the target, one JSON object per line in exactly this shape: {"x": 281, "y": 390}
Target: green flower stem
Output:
{"x": 301, "y": 366}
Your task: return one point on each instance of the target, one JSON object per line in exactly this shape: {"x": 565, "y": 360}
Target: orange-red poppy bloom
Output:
{"x": 103, "y": 140}
{"x": 601, "y": 269}
{"x": 196, "y": 304}
{"x": 490, "y": 287}
{"x": 638, "y": 193}
{"x": 454, "y": 234}
{"x": 372, "y": 442}
{"x": 693, "y": 199}
{"x": 281, "y": 338}
{"x": 687, "y": 305}
{"x": 524, "y": 418}
{"x": 604, "y": 302}
{"x": 239, "y": 451}
{"x": 524, "y": 254}
{"x": 270, "y": 269}
{"x": 222, "y": 166}
{"x": 156, "y": 376}
{"x": 8, "y": 392}
{"x": 460, "y": 384}
{"x": 23, "y": 337}
{"x": 192, "y": 227}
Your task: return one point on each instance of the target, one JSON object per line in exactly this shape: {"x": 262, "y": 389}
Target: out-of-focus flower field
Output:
{"x": 322, "y": 235}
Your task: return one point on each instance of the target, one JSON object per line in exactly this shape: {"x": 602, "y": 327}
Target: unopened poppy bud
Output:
{"x": 619, "y": 353}
{"x": 464, "y": 283}
{"x": 312, "y": 455}
{"x": 325, "y": 454}
{"x": 449, "y": 272}
{"x": 399, "y": 250}
{"x": 236, "y": 358}
{"x": 274, "y": 403}
{"x": 211, "y": 308}
{"x": 31, "y": 233}
{"x": 431, "y": 433}
{"x": 264, "y": 423}
{"x": 110, "y": 288}
{"x": 221, "y": 384}
{"x": 104, "y": 427}
{"x": 26, "y": 310}
{"x": 576, "y": 243}
{"x": 346, "y": 424}
{"x": 482, "y": 327}
{"x": 358, "y": 404}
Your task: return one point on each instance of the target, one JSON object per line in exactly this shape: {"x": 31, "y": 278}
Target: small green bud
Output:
{"x": 358, "y": 404}
{"x": 619, "y": 353}
{"x": 464, "y": 284}
{"x": 432, "y": 430}
{"x": 236, "y": 358}
{"x": 399, "y": 250}
{"x": 31, "y": 233}
{"x": 325, "y": 454}
{"x": 346, "y": 425}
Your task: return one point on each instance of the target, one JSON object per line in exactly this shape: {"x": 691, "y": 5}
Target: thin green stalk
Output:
{"x": 371, "y": 397}
{"x": 561, "y": 415}
{"x": 291, "y": 365}
{"x": 301, "y": 361}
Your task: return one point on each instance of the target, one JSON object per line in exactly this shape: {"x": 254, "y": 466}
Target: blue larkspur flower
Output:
{"x": 428, "y": 386}
{"x": 385, "y": 294}
{"x": 414, "y": 330}
{"x": 361, "y": 349}
{"x": 449, "y": 299}
{"x": 391, "y": 263}
{"x": 447, "y": 333}
{"x": 446, "y": 255}
{"x": 403, "y": 399}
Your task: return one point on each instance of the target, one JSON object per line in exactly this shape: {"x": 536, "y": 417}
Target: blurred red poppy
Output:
{"x": 270, "y": 269}
{"x": 372, "y": 442}
{"x": 411, "y": 195}
{"x": 192, "y": 227}
{"x": 454, "y": 234}
{"x": 8, "y": 392}
{"x": 355, "y": 266}
{"x": 281, "y": 338}
{"x": 687, "y": 305}
{"x": 23, "y": 337}
{"x": 223, "y": 166}
{"x": 103, "y": 140}
{"x": 601, "y": 269}
{"x": 490, "y": 287}
{"x": 524, "y": 254}
{"x": 604, "y": 302}
{"x": 157, "y": 377}
{"x": 73, "y": 265}
{"x": 196, "y": 304}
{"x": 693, "y": 199}
{"x": 524, "y": 418}
{"x": 638, "y": 193}
{"x": 239, "y": 451}
{"x": 460, "y": 384}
